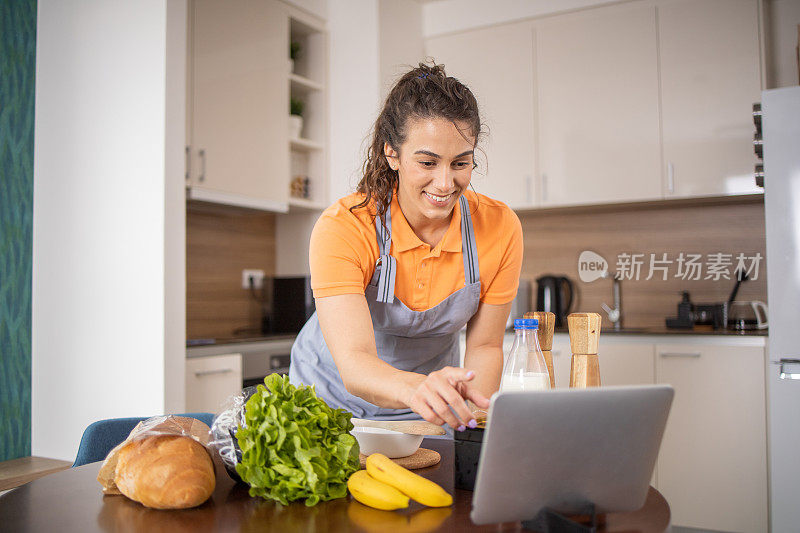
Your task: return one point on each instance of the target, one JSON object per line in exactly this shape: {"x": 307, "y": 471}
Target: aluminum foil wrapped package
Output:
{"x": 223, "y": 431}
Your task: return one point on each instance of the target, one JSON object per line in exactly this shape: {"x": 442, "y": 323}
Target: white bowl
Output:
{"x": 392, "y": 444}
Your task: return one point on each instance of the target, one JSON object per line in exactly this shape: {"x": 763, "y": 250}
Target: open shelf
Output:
{"x": 305, "y": 204}
{"x": 300, "y": 85}
{"x": 304, "y": 145}
{"x": 307, "y": 82}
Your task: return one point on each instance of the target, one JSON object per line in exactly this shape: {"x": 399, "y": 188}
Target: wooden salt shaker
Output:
{"x": 584, "y": 336}
{"x": 547, "y": 322}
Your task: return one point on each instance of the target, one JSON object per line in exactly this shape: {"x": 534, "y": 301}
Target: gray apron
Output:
{"x": 414, "y": 341}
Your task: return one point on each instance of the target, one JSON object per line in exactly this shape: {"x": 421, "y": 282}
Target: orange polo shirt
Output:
{"x": 344, "y": 249}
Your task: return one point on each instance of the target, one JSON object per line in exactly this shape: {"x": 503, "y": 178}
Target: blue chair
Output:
{"x": 101, "y": 436}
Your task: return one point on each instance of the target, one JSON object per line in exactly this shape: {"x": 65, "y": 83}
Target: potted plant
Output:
{"x": 296, "y": 107}
{"x": 294, "y": 52}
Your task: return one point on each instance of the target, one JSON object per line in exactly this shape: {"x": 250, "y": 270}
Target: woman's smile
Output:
{"x": 438, "y": 200}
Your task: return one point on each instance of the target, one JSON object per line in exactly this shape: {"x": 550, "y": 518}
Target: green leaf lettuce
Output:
{"x": 294, "y": 446}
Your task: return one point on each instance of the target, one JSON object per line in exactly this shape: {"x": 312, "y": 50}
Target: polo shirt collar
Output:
{"x": 405, "y": 239}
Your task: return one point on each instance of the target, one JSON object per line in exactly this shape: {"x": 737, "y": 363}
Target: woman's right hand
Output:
{"x": 441, "y": 398}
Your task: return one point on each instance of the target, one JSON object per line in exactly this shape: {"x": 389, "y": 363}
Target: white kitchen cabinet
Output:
{"x": 710, "y": 77}
{"x": 628, "y": 362}
{"x": 238, "y": 103}
{"x": 210, "y": 380}
{"x": 712, "y": 467}
{"x": 562, "y": 359}
{"x": 497, "y": 65}
{"x": 597, "y": 81}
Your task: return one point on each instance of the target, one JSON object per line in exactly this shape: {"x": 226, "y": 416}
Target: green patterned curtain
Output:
{"x": 17, "y": 91}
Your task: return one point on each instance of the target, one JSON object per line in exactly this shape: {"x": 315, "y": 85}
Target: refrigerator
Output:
{"x": 780, "y": 122}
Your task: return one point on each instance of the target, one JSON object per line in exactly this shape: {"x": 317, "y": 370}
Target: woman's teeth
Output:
{"x": 438, "y": 199}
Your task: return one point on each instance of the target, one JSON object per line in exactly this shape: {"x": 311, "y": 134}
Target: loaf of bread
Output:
{"x": 165, "y": 472}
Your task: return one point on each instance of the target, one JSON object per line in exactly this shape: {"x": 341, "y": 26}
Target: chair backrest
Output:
{"x": 101, "y": 436}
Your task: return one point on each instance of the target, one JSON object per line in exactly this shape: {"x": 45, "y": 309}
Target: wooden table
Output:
{"x": 71, "y": 500}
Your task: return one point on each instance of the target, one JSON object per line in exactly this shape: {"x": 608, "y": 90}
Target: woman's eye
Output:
{"x": 462, "y": 164}
{"x": 427, "y": 164}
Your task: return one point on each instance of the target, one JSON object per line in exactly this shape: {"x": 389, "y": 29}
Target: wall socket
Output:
{"x": 257, "y": 275}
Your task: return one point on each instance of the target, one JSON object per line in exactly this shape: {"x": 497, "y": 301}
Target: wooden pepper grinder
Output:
{"x": 547, "y": 322}
{"x": 584, "y": 336}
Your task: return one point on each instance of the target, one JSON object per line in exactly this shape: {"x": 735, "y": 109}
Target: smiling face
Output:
{"x": 434, "y": 167}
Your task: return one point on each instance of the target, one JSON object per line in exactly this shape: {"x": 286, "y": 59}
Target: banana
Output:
{"x": 374, "y": 493}
{"x": 417, "y": 487}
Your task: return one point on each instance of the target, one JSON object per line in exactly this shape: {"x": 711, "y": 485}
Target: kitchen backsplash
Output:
{"x": 554, "y": 241}
{"x": 222, "y": 241}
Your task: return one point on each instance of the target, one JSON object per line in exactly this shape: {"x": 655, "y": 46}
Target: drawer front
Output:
{"x": 211, "y": 380}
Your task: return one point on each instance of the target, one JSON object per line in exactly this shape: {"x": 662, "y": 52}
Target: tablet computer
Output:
{"x": 568, "y": 449}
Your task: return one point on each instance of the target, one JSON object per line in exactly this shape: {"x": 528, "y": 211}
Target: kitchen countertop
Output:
{"x": 220, "y": 341}
{"x": 669, "y": 331}
{"x": 233, "y": 340}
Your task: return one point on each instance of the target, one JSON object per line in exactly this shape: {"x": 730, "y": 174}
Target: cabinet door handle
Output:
{"x": 202, "y": 176}
{"x": 680, "y": 354}
{"x": 201, "y": 373}
{"x": 788, "y": 373}
{"x": 670, "y": 177}
{"x": 544, "y": 187}
{"x": 188, "y": 175}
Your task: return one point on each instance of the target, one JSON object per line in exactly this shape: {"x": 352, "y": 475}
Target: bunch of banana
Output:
{"x": 372, "y": 492}
{"x": 387, "y": 485}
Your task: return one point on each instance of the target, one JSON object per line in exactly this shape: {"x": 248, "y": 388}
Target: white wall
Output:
{"x": 782, "y": 18}
{"x": 354, "y": 87}
{"x": 108, "y": 165}
{"x": 175, "y": 209}
{"x": 447, "y": 16}
{"x": 354, "y": 100}
{"x": 401, "y": 42}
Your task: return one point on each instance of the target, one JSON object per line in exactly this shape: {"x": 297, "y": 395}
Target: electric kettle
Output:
{"x": 747, "y": 315}
{"x": 554, "y": 294}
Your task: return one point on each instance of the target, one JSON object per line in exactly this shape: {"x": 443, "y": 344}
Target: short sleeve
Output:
{"x": 340, "y": 254}
{"x": 502, "y": 288}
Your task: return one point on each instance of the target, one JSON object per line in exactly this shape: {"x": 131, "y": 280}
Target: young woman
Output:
{"x": 398, "y": 268}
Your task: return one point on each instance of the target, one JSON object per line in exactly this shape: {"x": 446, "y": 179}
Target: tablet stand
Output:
{"x": 550, "y": 521}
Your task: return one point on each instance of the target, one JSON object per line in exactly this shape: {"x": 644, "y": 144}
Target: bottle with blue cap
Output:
{"x": 525, "y": 368}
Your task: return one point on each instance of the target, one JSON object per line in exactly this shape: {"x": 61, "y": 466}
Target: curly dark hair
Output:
{"x": 423, "y": 92}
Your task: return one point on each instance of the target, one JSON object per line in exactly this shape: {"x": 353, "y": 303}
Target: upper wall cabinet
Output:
{"x": 641, "y": 100}
{"x": 710, "y": 78}
{"x": 497, "y": 65}
{"x": 244, "y": 148}
{"x": 597, "y": 81}
{"x": 238, "y": 103}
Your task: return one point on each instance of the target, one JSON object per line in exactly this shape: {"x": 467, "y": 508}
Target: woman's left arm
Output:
{"x": 484, "y": 353}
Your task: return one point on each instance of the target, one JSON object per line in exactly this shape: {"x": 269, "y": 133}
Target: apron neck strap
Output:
{"x": 383, "y": 230}
{"x": 468, "y": 248}
{"x": 386, "y": 281}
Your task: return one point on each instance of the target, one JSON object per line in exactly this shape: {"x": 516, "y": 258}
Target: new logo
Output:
{"x": 591, "y": 266}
